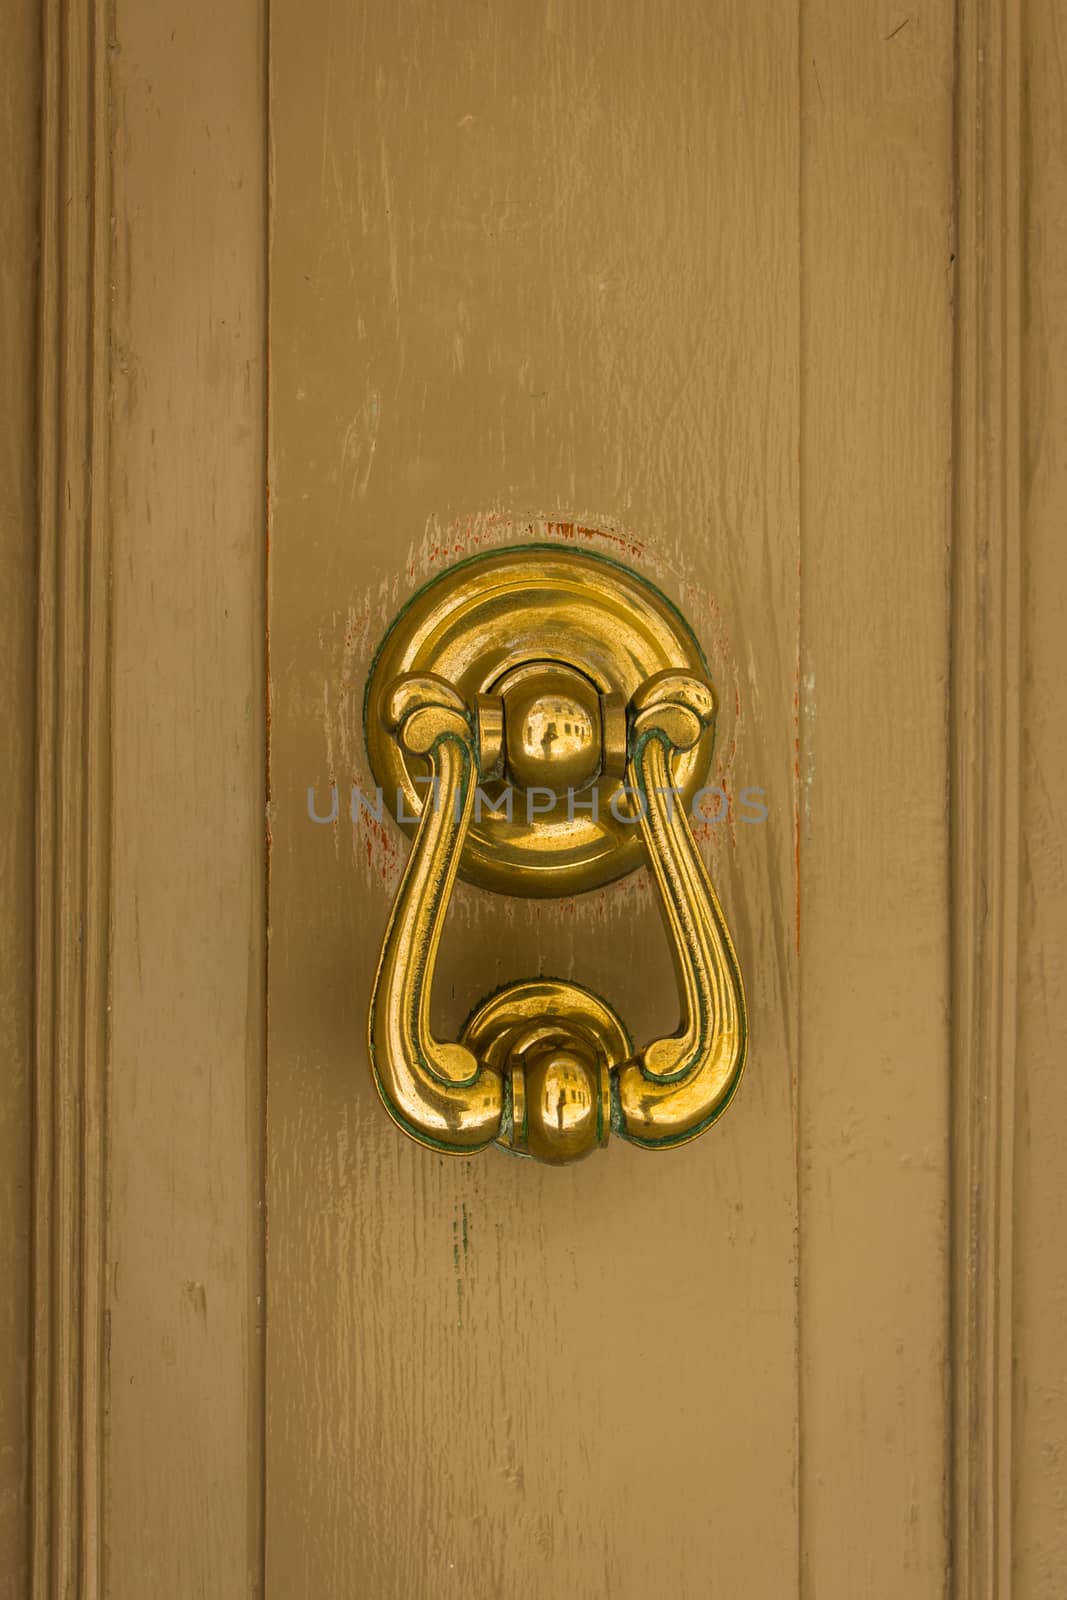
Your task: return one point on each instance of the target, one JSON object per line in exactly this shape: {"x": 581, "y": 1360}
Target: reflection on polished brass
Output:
{"x": 676, "y": 1087}
{"x": 545, "y": 1068}
{"x": 554, "y": 1042}
{"x": 438, "y": 1092}
{"x": 552, "y": 728}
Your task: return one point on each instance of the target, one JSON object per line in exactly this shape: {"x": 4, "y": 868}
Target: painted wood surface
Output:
{"x": 187, "y": 980}
{"x": 876, "y": 291}
{"x": 528, "y": 265}
{"x": 772, "y": 297}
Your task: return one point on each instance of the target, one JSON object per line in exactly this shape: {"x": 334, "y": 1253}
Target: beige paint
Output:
{"x": 876, "y": 290}
{"x": 185, "y": 1249}
{"x": 488, "y": 297}
{"x": 767, "y": 382}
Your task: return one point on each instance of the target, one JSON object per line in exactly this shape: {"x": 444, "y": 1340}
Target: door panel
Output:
{"x": 549, "y": 271}
{"x": 528, "y": 268}
{"x": 767, "y": 298}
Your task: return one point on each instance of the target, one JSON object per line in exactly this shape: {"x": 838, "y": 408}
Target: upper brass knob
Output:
{"x": 516, "y": 633}
{"x": 552, "y": 733}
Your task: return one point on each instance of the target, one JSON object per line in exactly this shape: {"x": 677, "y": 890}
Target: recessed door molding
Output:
{"x": 73, "y": 827}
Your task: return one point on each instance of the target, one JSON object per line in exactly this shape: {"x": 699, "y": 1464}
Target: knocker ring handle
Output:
{"x": 545, "y": 1068}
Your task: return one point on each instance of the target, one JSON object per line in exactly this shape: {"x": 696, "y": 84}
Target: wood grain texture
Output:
{"x": 72, "y": 823}
{"x": 20, "y": 114}
{"x": 187, "y": 487}
{"x": 1039, "y": 1328}
{"x": 528, "y": 263}
{"x": 876, "y": 445}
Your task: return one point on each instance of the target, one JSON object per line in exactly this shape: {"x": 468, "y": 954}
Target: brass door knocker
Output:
{"x": 544, "y": 716}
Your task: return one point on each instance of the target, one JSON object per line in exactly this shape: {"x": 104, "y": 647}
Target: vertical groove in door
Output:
{"x": 258, "y": 1412}
{"x": 985, "y": 798}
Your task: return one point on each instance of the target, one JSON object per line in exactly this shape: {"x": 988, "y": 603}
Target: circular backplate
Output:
{"x": 479, "y": 621}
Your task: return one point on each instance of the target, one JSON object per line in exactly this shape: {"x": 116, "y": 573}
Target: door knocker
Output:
{"x": 542, "y": 718}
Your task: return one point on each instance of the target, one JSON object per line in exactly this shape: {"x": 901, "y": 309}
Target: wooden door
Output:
{"x": 768, "y": 300}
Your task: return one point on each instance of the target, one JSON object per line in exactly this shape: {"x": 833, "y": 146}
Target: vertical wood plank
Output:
{"x": 876, "y": 414}
{"x": 20, "y": 90}
{"x": 529, "y": 263}
{"x": 1039, "y": 1487}
{"x": 187, "y": 484}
